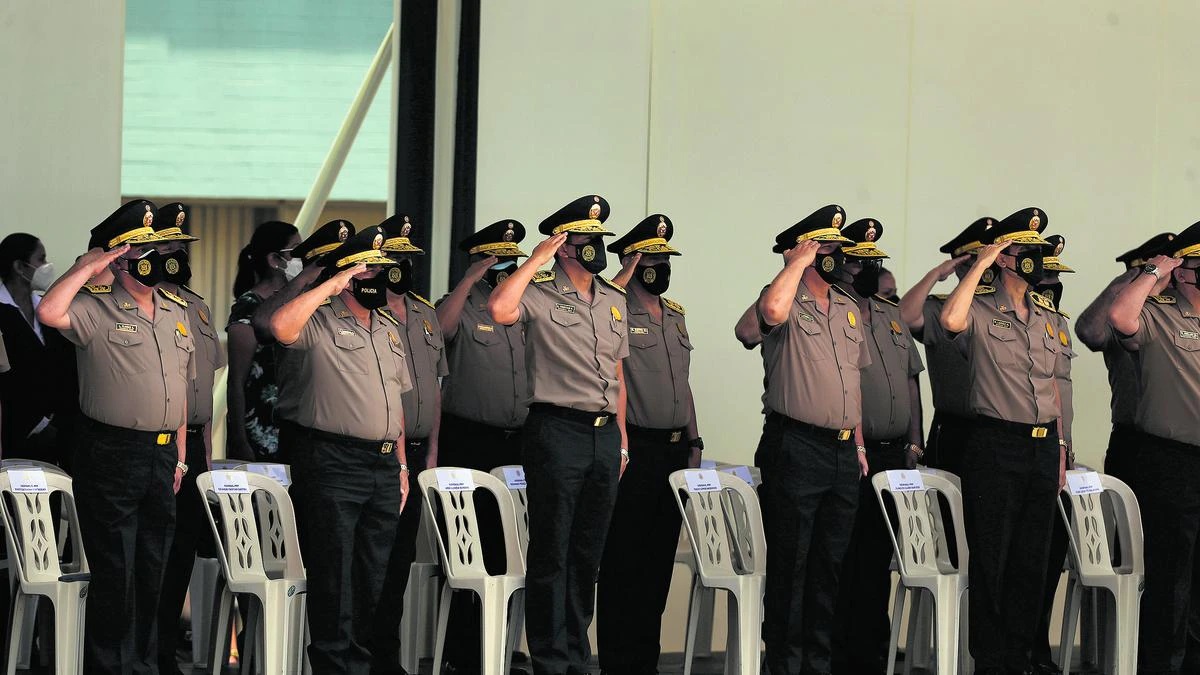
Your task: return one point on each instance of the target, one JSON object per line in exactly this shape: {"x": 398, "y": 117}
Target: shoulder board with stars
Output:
{"x": 1163, "y": 299}
{"x": 1063, "y": 314}
{"x": 172, "y": 297}
{"x": 985, "y": 290}
{"x": 98, "y": 289}
{"x": 674, "y": 306}
{"x": 543, "y": 276}
{"x": 418, "y": 298}
{"x": 612, "y": 284}
{"x": 388, "y": 315}
{"x": 1041, "y": 301}
{"x": 198, "y": 296}
{"x": 885, "y": 301}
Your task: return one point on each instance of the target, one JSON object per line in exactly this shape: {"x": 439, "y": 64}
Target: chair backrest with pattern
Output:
{"x": 1092, "y": 543}
{"x": 724, "y": 526}
{"x": 520, "y": 502}
{"x": 451, "y": 514}
{"x": 917, "y": 529}
{"x": 256, "y": 538}
{"x": 272, "y": 540}
{"x": 31, "y": 531}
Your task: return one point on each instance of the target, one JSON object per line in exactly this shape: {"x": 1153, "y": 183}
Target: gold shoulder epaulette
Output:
{"x": 882, "y": 299}
{"x": 1163, "y": 299}
{"x": 984, "y": 290}
{"x": 543, "y": 276}
{"x": 1063, "y": 314}
{"x": 938, "y": 296}
{"x": 613, "y": 284}
{"x": 324, "y": 302}
{"x": 675, "y": 306}
{"x": 841, "y": 290}
{"x": 198, "y": 296}
{"x": 1041, "y": 301}
{"x": 418, "y": 298}
{"x": 388, "y": 315}
{"x": 98, "y": 289}
{"x": 172, "y": 297}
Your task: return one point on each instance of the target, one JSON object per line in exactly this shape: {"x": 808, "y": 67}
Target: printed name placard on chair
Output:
{"x": 742, "y": 472}
{"x": 277, "y": 472}
{"x": 905, "y": 480}
{"x": 28, "y": 480}
{"x": 702, "y": 480}
{"x": 1084, "y": 483}
{"x": 230, "y": 483}
{"x": 455, "y": 480}
{"x": 514, "y": 477}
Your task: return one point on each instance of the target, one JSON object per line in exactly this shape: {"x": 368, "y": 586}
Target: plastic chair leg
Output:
{"x": 516, "y": 621}
{"x": 748, "y": 632}
{"x": 1128, "y": 604}
{"x": 946, "y": 624}
{"x": 894, "y": 637}
{"x": 68, "y": 629}
{"x": 16, "y": 623}
{"x": 493, "y": 619}
{"x": 201, "y": 589}
{"x": 28, "y": 622}
{"x": 439, "y": 641}
{"x": 916, "y": 600}
{"x": 704, "y": 629}
{"x": 219, "y": 631}
{"x": 689, "y": 639}
{"x": 1071, "y": 610}
{"x": 279, "y": 630}
{"x": 732, "y": 636}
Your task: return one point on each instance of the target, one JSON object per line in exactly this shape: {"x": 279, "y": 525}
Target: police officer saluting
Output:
{"x": 485, "y": 399}
{"x": 892, "y": 430}
{"x": 813, "y": 349}
{"x": 191, "y": 528}
{"x": 574, "y": 437}
{"x": 660, "y": 419}
{"x": 135, "y": 357}
{"x": 1162, "y": 332}
{"x": 416, "y": 323}
{"x": 347, "y": 375}
{"x": 1013, "y": 463}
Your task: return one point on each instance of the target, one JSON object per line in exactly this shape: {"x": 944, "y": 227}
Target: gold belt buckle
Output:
{"x": 675, "y": 436}
{"x": 163, "y": 439}
{"x": 601, "y": 420}
{"x": 1040, "y": 432}
{"x": 844, "y": 435}
{"x": 386, "y": 448}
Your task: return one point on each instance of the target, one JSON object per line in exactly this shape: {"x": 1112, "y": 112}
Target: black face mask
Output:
{"x": 1029, "y": 267}
{"x": 146, "y": 270}
{"x": 591, "y": 255}
{"x": 866, "y": 282}
{"x": 1052, "y": 292}
{"x": 370, "y": 293}
{"x": 176, "y": 269}
{"x": 499, "y": 272}
{"x": 831, "y": 267}
{"x": 399, "y": 277}
{"x": 654, "y": 278}
{"x": 894, "y": 298}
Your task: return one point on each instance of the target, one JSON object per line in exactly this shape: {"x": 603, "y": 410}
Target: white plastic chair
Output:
{"x": 919, "y": 543}
{"x": 725, "y": 530}
{"x": 1091, "y": 568}
{"x": 35, "y": 558}
{"x": 245, "y": 562}
{"x": 462, "y": 562}
{"x": 420, "y": 603}
{"x": 521, "y": 505}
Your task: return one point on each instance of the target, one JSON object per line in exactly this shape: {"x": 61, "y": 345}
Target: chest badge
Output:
{"x": 181, "y": 328}
{"x": 1062, "y": 337}
{"x": 393, "y": 338}
{"x": 203, "y": 316}
{"x": 896, "y": 327}
{"x": 852, "y": 319}
{"x": 616, "y": 313}
{"x": 428, "y": 328}
{"x": 1049, "y": 329}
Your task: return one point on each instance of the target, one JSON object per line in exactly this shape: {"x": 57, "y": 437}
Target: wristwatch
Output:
{"x": 916, "y": 450}
{"x": 1151, "y": 269}
{"x": 697, "y": 443}
{"x": 182, "y": 467}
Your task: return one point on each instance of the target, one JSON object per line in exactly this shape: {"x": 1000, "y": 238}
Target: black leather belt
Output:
{"x": 195, "y": 428}
{"x": 839, "y": 434}
{"x": 592, "y": 419}
{"x": 656, "y": 435}
{"x": 135, "y": 435}
{"x": 381, "y": 447}
{"x": 1045, "y": 430}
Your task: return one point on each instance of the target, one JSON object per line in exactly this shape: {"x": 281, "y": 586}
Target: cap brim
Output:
{"x": 372, "y": 257}
{"x": 829, "y": 238}
{"x": 403, "y": 248}
{"x": 1025, "y": 239}
{"x": 865, "y": 251}
{"x": 500, "y": 250}
{"x": 1053, "y": 265}
{"x": 587, "y": 229}
{"x": 655, "y": 249}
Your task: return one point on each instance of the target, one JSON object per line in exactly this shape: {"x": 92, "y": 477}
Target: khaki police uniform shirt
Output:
{"x": 572, "y": 347}
{"x": 487, "y": 381}
{"x": 813, "y": 361}
{"x": 657, "y": 370}
{"x": 1167, "y": 351}
{"x": 886, "y": 399}
{"x": 209, "y": 355}
{"x": 949, "y": 373}
{"x": 1122, "y": 380}
{"x": 426, "y": 351}
{"x": 134, "y": 371}
{"x": 1062, "y": 372}
{"x": 346, "y": 379}
{"x": 1013, "y": 365}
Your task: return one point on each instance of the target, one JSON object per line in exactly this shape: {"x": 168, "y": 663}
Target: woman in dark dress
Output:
{"x": 264, "y": 266}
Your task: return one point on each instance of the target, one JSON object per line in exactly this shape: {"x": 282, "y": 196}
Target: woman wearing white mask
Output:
{"x": 33, "y": 414}
{"x": 264, "y": 266}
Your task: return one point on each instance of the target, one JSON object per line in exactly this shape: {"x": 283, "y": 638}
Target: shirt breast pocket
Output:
{"x": 486, "y": 338}
{"x": 685, "y": 342}
{"x": 350, "y": 357}
{"x": 127, "y": 352}
{"x": 900, "y": 340}
{"x": 1001, "y": 344}
{"x": 566, "y": 319}
{"x": 1187, "y": 344}
{"x": 186, "y": 349}
{"x": 435, "y": 342}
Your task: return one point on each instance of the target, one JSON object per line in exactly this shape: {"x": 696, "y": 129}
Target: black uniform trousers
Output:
{"x": 809, "y": 497}
{"x": 572, "y": 467}
{"x": 192, "y": 536}
{"x": 385, "y": 632}
{"x": 1010, "y": 482}
{"x": 346, "y": 494}
{"x": 1055, "y": 558}
{"x": 124, "y": 482}
{"x": 1166, "y": 480}
{"x": 947, "y": 440}
{"x": 472, "y": 445}
{"x": 862, "y": 626}
{"x": 635, "y": 573}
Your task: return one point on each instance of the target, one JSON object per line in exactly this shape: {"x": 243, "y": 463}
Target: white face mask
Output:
{"x": 42, "y": 277}
{"x": 293, "y": 268}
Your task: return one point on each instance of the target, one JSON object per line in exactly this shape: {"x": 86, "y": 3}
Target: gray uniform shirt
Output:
{"x": 487, "y": 381}
{"x": 886, "y": 400}
{"x": 949, "y": 375}
{"x": 1167, "y": 350}
{"x": 658, "y": 367}
{"x": 426, "y": 351}
{"x": 209, "y": 355}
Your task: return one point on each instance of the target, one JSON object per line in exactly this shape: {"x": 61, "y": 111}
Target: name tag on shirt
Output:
{"x": 230, "y": 483}
{"x": 702, "y": 480}
{"x": 1084, "y": 483}
{"x": 346, "y": 331}
{"x": 127, "y": 327}
{"x": 485, "y": 328}
{"x": 638, "y": 331}
{"x": 807, "y": 317}
{"x": 742, "y": 472}
{"x": 1001, "y": 323}
{"x": 276, "y": 472}
{"x": 563, "y": 307}
{"x": 905, "y": 480}
{"x": 514, "y": 477}
{"x": 1189, "y": 335}
{"x": 455, "y": 480}
{"x": 30, "y": 481}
